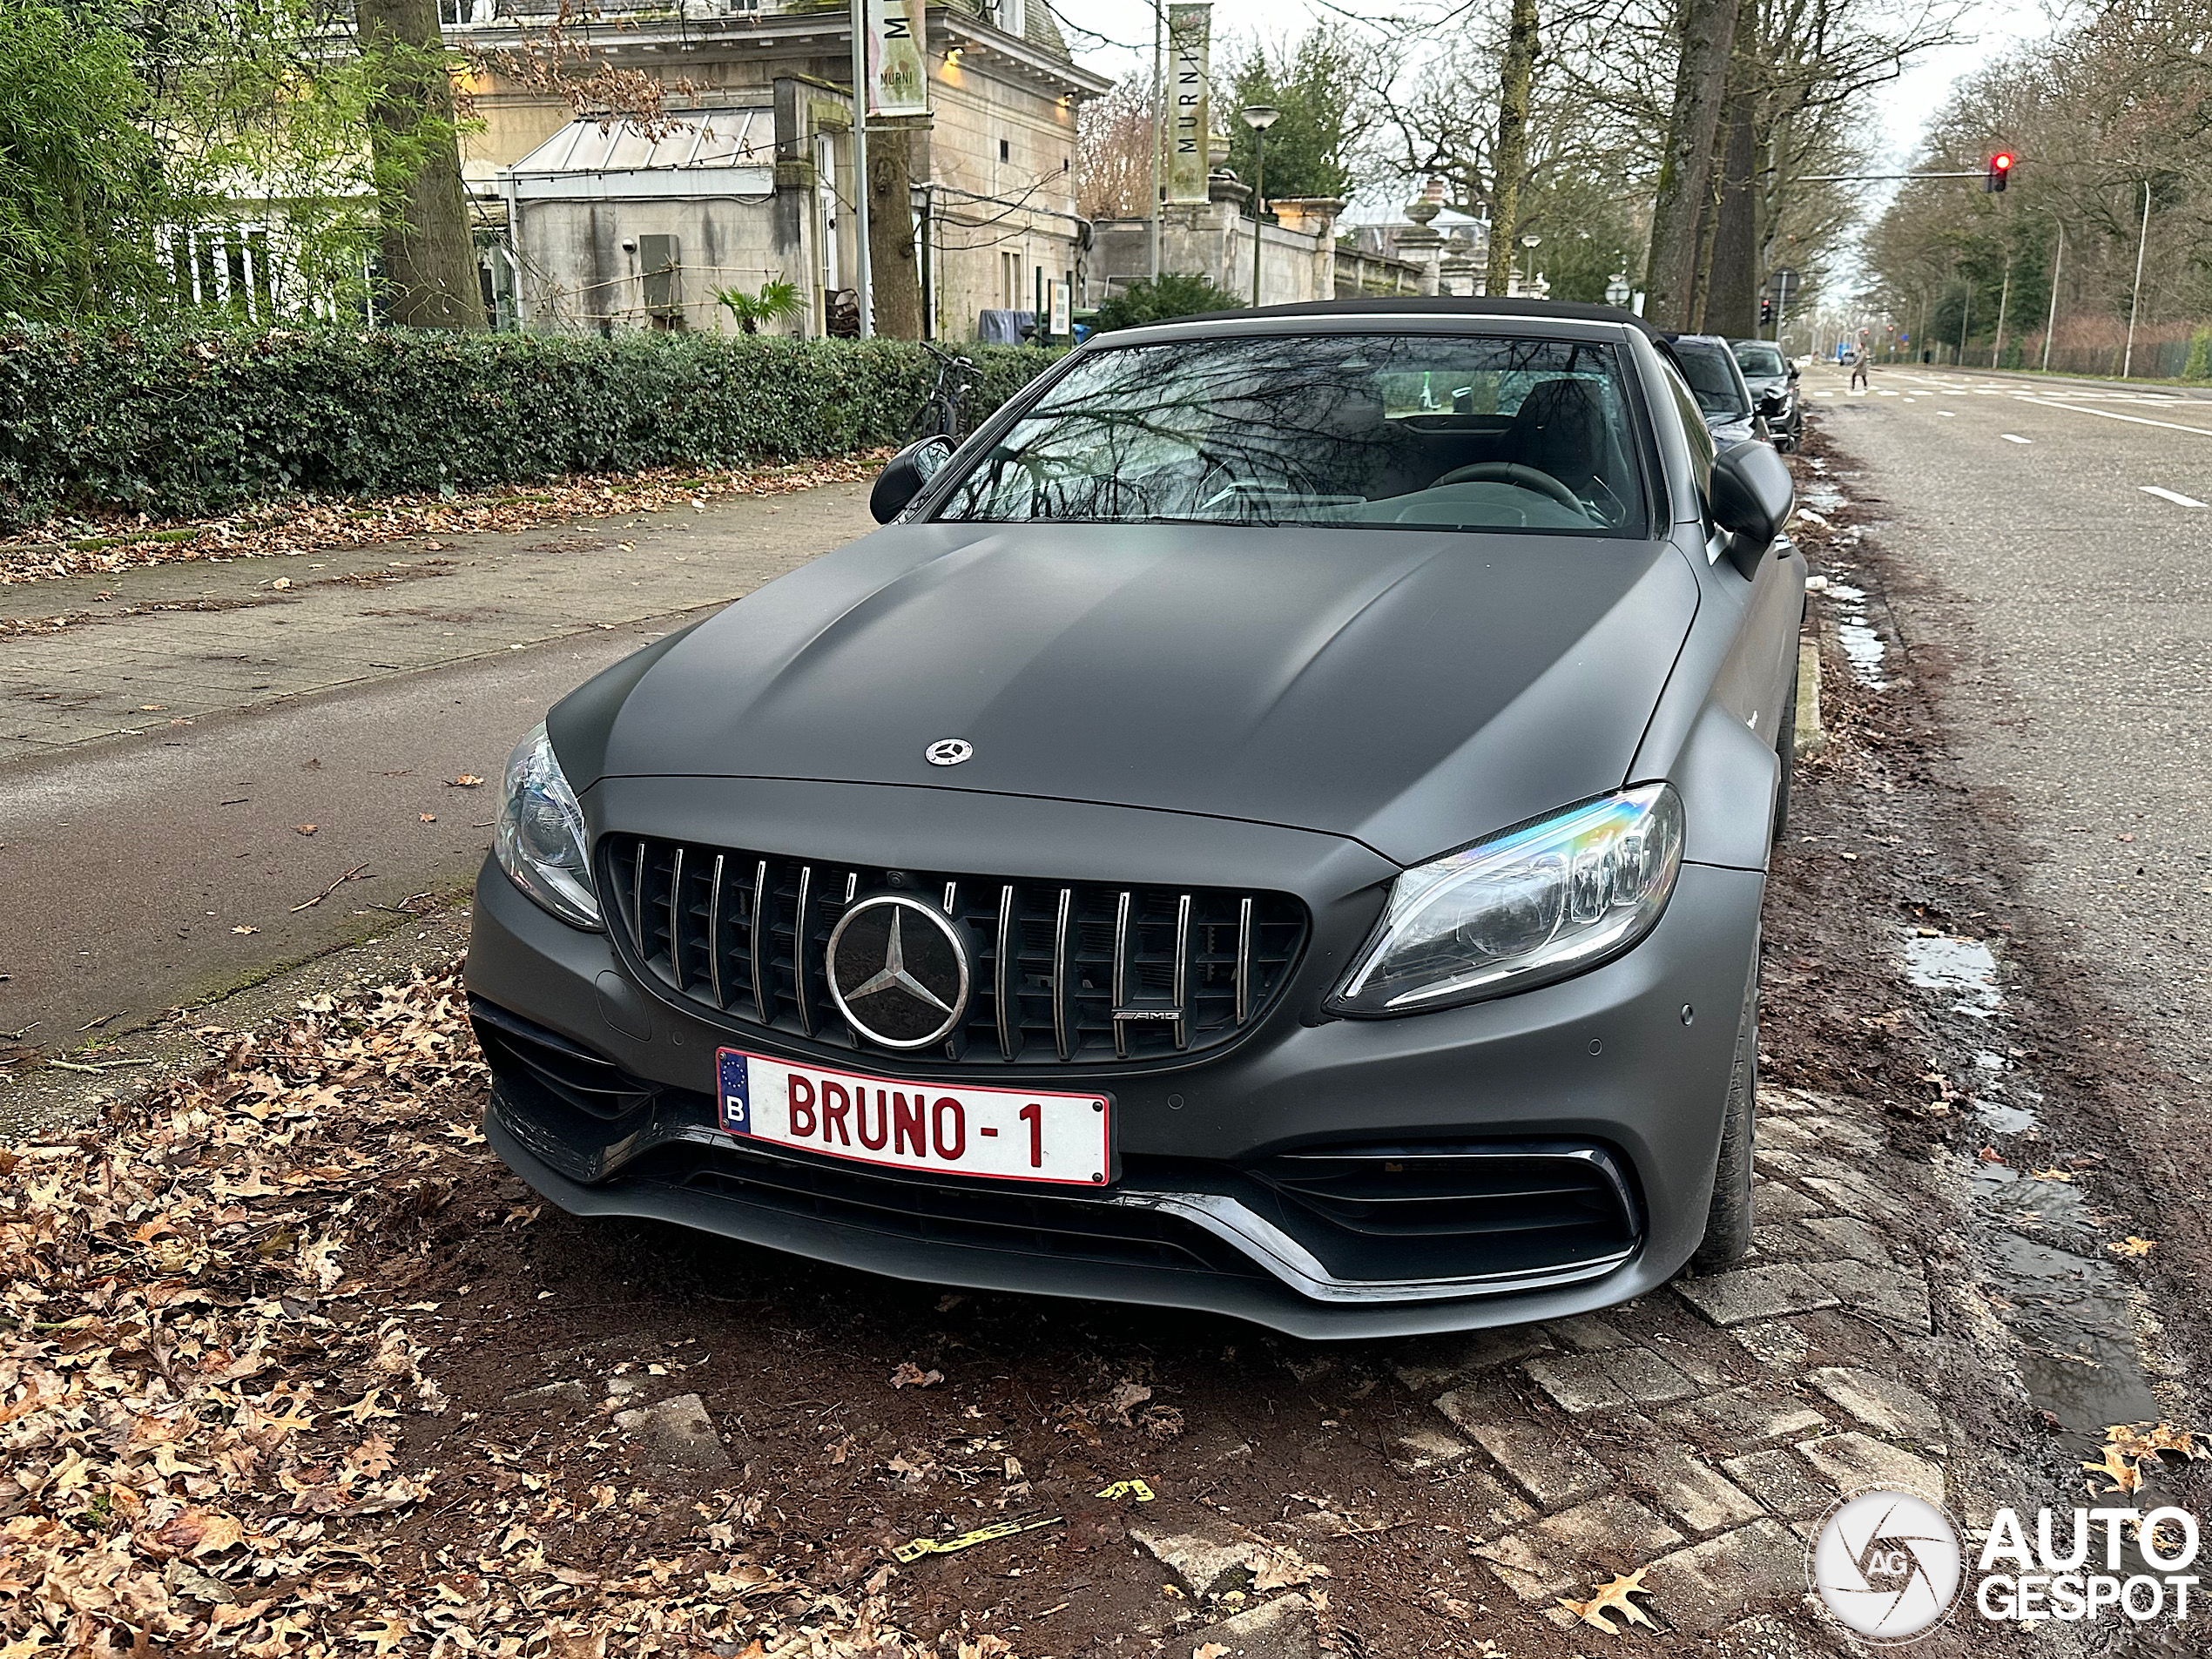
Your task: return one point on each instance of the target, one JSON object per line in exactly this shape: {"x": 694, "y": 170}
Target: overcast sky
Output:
{"x": 1995, "y": 27}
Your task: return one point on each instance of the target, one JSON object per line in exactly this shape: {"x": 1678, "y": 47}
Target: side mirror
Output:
{"x": 905, "y": 473}
{"x": 1753, "y": 497}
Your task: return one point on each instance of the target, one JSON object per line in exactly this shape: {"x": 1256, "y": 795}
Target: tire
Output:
{"x": 1786, "y": 748}
{"x": 1728, "y": 1222}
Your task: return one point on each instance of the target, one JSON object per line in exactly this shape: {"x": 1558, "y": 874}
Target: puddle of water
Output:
{"x": 2069, "y": 1308}
{"x": 1966, "y": 966}
{"x": 1865, "y": 649}
{"x": 2003, "y": 1119}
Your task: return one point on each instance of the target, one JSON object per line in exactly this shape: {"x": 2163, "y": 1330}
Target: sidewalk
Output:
{"x": 136, "y": 650}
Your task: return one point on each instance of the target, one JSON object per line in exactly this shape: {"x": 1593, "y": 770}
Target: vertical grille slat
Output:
{"x": 1245, "y": 960}
{"x": 676, "y": 918}
{"x": 1059, "y": 973}
{"x": 757, "y": 939}
{"x": 714, "y": 935}
{"x": 1004, "y": 976}
{"x": 637, "y": 900}
{"x": 1121, "y": 975}
{"x": 1080, "y": 973}
{"x": 1182, "y": 970}
{"x": 801, "y": 925}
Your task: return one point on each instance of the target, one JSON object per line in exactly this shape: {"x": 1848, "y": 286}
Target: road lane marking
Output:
{"x": 2139, "y": 420}
{"x": 2014, "y": 437}
{"x": 2178, "y": 499}
{"x": 1946, "y": 415}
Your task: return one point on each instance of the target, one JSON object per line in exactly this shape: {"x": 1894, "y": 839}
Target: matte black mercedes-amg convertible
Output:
{"x": 1274, "y": 823}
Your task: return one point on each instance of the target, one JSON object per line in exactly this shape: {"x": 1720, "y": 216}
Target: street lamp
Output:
{"x": 1259, "y": 117}
{"x": 1530, "y": 239}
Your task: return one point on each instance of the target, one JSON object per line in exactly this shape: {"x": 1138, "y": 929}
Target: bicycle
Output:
{"x": 940, "y": 413}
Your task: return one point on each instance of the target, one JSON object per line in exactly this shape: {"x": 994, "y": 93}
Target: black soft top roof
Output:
{"x": 1439, "y": 305}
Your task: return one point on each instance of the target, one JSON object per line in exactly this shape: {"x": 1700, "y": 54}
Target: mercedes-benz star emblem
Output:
{"x": 898, "y": 971}
{"x": 948, "y": 752}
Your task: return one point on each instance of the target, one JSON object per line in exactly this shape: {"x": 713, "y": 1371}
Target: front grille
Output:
{"x": 1052, "y": 964}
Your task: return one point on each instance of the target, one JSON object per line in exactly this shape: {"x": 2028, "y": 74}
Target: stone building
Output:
{"x": 595, "y": 227}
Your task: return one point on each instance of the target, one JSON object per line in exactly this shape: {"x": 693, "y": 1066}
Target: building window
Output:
{"x": 1006, "y": 151}
{"x": 1010, "y": 282}
{"x": 1012, "y": 16}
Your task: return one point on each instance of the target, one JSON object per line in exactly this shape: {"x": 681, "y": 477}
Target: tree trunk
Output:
{"x": 429, "y": 255}
{"x": 1516, "y": 75}
{"x": 1686, "y": 169}
{"x": 894, "y": 272}
{"x": 1732, "y": 276}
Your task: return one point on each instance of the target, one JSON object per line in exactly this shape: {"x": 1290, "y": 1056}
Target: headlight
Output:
{"x": 1532, "y": 906}
{"x": 541, "y": 841}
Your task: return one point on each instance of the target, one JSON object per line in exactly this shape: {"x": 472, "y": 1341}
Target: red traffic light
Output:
{"x": 2003, "y": 163}
{"x": 2000, "y": 171}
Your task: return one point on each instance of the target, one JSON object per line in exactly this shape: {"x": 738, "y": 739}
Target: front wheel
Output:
{"x": 1728, "y": 1222}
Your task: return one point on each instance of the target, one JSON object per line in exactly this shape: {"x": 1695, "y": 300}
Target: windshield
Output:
{"x": 1755, "y": 358}
{"x": 1413, "y": 431}
{"x": 1712, "y": 377}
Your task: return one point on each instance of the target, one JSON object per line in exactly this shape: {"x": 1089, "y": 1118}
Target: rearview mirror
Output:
{"x": 1753, "y": 496}
{"x": 905, "y": 473}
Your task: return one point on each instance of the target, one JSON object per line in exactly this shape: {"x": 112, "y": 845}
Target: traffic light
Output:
{"x": 1766, "y": 310}
{"x": 2001, "y": 172}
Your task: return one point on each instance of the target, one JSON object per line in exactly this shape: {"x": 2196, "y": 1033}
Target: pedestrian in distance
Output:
{"x": 1858, "y": 368}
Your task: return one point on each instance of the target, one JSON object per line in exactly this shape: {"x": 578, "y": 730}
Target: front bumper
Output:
{"x": 1601, "y": 1074}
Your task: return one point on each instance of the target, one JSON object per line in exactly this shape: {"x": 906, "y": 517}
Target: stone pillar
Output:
{"x": 1315, "y": 216}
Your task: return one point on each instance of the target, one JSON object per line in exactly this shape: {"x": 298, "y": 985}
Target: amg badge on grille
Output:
{"x": 948, "y": 752}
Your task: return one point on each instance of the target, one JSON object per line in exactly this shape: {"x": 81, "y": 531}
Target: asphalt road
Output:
{"x": 151, "y": 858}
{"x": 2070, "y": 523}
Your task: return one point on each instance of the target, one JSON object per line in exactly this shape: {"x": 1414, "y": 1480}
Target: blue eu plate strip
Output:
{"x": 736, "y": 1106}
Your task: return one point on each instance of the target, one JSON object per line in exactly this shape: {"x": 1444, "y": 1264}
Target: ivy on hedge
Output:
{"x": 179, "y": 424}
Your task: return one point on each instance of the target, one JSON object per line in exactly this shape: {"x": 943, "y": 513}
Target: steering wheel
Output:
{"x": 1512, "y": 472}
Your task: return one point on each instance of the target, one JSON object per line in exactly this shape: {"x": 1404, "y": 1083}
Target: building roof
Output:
{"x": 694, "y": 140}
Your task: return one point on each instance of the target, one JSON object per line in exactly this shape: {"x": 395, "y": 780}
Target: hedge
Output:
{"x": 176, "y": 424}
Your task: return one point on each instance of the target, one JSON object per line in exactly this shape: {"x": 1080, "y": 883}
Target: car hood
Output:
{"x": 1412, "y": 690}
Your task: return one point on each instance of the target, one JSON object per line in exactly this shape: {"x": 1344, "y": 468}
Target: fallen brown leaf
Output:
{"x": 1613, "y": 1598}
{"x": 909, "y": 1375}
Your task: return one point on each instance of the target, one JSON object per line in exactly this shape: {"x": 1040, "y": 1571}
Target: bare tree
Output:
{"x": 1685, "y": 185}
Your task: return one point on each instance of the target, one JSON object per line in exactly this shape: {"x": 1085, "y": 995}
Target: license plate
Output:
{"x": 1006, "y": 1134}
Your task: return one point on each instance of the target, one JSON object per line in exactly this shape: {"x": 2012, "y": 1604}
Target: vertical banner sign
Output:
{"x": 897, "y": 71}
{"x": 1189, "y": 105}
{"x": 1061, "y": 327}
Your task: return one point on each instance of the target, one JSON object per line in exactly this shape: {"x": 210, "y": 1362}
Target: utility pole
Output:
{"x": 2128, "y": 358}
{"x": 864, "y": 289}
{"x": 2051, "y": 322}
{"x": 2004, "y": 298}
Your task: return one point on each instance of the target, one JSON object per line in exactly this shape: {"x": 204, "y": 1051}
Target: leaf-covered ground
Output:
{"x": 275, "y": 1380}
{"x": 93, "y": 546}
{"x": 210, "y": 1354}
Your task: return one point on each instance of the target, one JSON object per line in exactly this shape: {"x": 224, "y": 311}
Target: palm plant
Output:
{"x": 777, "y": 302}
